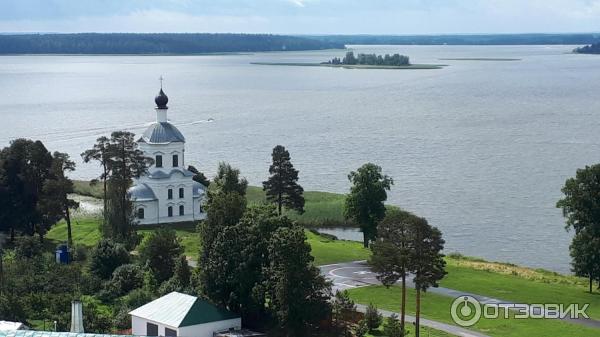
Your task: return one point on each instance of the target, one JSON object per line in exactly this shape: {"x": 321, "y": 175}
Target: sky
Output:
{"x": 302, "y": 16}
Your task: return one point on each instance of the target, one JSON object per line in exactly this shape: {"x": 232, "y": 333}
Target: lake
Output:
{"x": 479, "y": 148}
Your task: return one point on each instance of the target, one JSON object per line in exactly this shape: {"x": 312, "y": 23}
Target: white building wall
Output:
{"x": 138, "y": 327}
{"x": 207, "y": 330}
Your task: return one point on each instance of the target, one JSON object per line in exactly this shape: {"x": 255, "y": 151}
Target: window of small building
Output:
{"x": 140, "y": 213}
{"x": 158, "y": 161}
{"x": 175, "y": 160}
{"x": 170, "y": 333}
{"x": 170, "y": 193}
{"x": 170, "y": 211}
{"x": 151, "y": 329}
{"x": 181, "y": 210}
{"x": 181, "y": 193}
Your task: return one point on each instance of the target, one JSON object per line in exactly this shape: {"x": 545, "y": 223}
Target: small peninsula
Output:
{"x": 588, "y": 49}
{"x": 362, "y": 61}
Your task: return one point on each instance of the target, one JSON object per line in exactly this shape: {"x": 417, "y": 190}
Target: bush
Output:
{"x": 372, "y": 317}
{"x": 106, "y": 257}
{"x": 159, "y": 251}
{"x": 79, "y": 252}
{"x": 136, "y": 298}
{"x": 127, "y": 278}
{"x": 28, "y": 247}
{"x": 392, "y": 327}
{"x": 361, "y": 329}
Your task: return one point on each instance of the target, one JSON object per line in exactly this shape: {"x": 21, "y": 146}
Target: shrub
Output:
{"x": 127, "y": 278}
{"x": 28, "y": 247}
{"x": 361, "y": 328}
{"x": 159, "y": 250}
{"x": 79, "y": 252}
{"x": 392, "y": 327}
{"x": 373, "y": 317}
{"x": 106, "y": 257}
{"x": 136, "y": 298}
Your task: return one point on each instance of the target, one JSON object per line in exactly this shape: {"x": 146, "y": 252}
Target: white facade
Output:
{"x": 139, "y": 327}
{"x": 167, "y": 193}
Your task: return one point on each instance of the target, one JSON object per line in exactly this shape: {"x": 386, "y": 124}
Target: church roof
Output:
{"x": 162, "y": 133}
{"x": 159, "y": 174}
{"x": 141, "y": 192}
{"x": 179, "y": 310}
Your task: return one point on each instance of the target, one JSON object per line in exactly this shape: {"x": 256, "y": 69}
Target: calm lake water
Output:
{"x": 479, "y": 148}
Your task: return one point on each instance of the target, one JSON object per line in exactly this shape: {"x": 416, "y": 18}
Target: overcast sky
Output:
{"x": 301, "y": 16}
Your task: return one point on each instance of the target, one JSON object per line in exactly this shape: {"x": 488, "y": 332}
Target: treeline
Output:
{"x": 125, "y": 43}
{"x": 372, "y": 59}
{"x": 476, "y": 39}
{"x": 589, "y": 49}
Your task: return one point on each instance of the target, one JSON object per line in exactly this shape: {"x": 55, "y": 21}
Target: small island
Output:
{"x": 363, "y": 61}
{"x": 593, "y": 48}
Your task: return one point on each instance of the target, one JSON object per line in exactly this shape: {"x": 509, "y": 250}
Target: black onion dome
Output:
{"x": 161, "y": 100}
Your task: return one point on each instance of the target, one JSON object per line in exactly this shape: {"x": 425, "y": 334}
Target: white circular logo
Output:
{"x": 465, "y": 311}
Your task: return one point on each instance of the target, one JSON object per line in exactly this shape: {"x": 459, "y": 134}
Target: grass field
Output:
{"x": 522, "y": 285}
{"x": 86, "y": 232}
{"x": 437, "y": 307}
{"x": 425, "y": 331}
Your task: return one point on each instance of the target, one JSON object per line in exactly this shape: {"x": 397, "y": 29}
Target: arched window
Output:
{"x": 158, "y": 161}
{"x": 170, "y": 211}
{"x": 181, "y": 210}
{"x": 170, "y": 193}
{"x": 181, "y": 193}
{"x": 140, "y": 213}
{"x": 175, "y": 160}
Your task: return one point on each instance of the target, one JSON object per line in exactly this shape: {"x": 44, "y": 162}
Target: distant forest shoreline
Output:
{"x": 207, "y": 43}
{"x": 156, "y": 44}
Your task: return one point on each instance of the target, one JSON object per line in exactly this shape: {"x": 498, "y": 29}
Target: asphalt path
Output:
{"x": 358, "y": 274}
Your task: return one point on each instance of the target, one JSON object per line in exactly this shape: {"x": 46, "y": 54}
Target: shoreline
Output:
{"x": 353, "y": 66}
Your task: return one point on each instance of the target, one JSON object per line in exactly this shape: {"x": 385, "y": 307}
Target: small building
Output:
{"x": 10, "y": 326}
{"x": 177, "y": 314}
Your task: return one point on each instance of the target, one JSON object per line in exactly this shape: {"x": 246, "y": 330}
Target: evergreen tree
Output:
{"x": 100, "y": 153}
{"x": 56, "y": 191}
{"x": 159, "y": 251}
{"x": 199, "y": 176}
{"x": 106, "y": 257}
{"x": 297, "y": 293}
{"x": 365, "y": 203}
{"x": 426, "y": 260}
{"x": 391, "y": 251}
{"x": 282, "y": 186}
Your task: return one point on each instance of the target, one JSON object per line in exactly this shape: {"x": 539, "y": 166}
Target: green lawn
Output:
{"x": 86, "y": 232}
{"x": 327, "y": 251}
{"x": 554, "y": 289}
{"x": 437, "y": 307}
{"x": 320, "y": 208}
{"x": 425, "y": 331}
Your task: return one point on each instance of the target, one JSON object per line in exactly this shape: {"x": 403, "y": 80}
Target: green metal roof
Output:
{"x": 178, "y": 310}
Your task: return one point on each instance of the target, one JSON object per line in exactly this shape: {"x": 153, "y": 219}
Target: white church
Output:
{"x": 167, "y": 193}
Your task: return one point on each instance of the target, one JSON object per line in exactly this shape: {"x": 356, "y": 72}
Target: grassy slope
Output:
{"x": 437, "y": 307}
{"x": 326, "y": 251}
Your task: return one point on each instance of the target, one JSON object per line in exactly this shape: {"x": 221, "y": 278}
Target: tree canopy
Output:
{"x": 282, "y": 187}
{"x": 365, "y": 203}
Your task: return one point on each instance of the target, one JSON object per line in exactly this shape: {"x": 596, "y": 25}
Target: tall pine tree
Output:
{"x": 282, "y": 186}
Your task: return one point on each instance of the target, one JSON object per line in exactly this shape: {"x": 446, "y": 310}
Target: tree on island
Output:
{"x": 581, "y": 208}
{"x": 593, "y": 48}
{"x": 391, "y": 252}
{"x": 282, "y": 186}
{"x": 365, "y": 203}
{"x": 371, "y": 59}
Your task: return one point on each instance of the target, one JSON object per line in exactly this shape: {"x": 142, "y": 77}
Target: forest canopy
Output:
{"x": 371, "y": 59}
{"x": 125, "y": 43}
{"x": 589, "y": 49}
